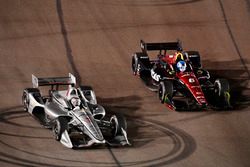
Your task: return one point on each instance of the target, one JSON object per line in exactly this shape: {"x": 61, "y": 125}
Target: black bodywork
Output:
{"x": 216, "y": 91}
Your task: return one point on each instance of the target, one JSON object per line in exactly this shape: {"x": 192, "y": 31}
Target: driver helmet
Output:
{"x": 181, "y": 66}
{"x": 179, "y": 56}
{"x": 75, "y": 101}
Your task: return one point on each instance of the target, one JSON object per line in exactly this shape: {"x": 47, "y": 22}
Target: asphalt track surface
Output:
{"x": 94, "y": 40}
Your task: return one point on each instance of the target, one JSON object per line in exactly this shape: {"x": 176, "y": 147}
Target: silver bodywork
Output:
{"x": 85, "y": 122}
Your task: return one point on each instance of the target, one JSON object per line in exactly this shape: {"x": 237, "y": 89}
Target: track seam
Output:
{"x": 233, "y": 38}
{"x": 66, "y": 41}
{"x": 248, "y": 5}
{"x": 114, "y": 157}
{"x": 71, "y": 59}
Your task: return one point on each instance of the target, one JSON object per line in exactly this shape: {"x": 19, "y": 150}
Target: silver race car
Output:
{"x": 73, "y": 114}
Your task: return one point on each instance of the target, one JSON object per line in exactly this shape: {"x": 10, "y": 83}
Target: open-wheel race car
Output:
{"x": 73, "y": 114}
{"x": 179, "y": 78}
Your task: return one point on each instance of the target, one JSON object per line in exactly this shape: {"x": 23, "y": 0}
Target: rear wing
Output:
{"x": 160, "y": 46}
{"x": 70, "y": 80}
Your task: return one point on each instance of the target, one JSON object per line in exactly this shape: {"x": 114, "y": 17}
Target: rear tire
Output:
{"x": 25, "y": 97}
{"x": 194, "y": 58}
{"x": 86, "y": 88}
{"x": 134, "y": 64}
{"x": 60, "y": 125}
{"x": 165, "y": 90}
{"x": 25, "y": 101}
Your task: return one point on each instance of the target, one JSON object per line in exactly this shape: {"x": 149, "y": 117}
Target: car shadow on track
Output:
{"x": 128, "y": 107}
{"x": 238, "y": 79}
{"x": 144, "y": 132}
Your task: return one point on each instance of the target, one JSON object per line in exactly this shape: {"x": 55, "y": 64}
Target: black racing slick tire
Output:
{"x": 134, "y": 64}
{"x": 25, "y": 101}
{"x": 194, "y": 58}
{"x": 222, "y": 91}
{"x": 25, "y": 97}
{"x": 60, "y": 125}
{"x": 165, "y": 91}
{"x": 221, "y": 86}
{"x": 118, "y": 122}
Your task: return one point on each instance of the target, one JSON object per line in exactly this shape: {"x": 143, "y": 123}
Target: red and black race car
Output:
{"x": 179, "y": 78}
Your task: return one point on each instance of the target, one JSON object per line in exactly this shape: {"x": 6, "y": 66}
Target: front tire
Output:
{"x": 118, "y": 122}
{"x": 165, "y": 91}
{"x": 222, "y": 91}
{"x": 60, "y": 125}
